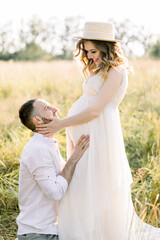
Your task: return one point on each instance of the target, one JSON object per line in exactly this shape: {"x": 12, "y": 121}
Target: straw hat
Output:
{"x": 98, "y": 31}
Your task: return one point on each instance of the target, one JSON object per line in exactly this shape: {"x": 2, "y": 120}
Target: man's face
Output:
{"x": 45, "y": 110}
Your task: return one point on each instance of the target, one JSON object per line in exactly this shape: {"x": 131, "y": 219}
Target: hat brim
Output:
{"x": 99, "y": 39}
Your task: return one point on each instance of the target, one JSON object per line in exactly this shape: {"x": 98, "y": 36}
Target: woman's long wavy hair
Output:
{"x": 111, "y": 53}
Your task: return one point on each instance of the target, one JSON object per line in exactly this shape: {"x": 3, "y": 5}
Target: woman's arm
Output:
{"x": 107, "y": 92}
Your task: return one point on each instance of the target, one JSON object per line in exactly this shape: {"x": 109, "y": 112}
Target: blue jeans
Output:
{"x": 36, "y": 236}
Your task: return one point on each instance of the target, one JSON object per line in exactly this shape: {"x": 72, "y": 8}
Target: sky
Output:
{"x": 139, "y": 12}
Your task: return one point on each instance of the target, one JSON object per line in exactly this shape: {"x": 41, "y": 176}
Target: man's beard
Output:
{"x": 46, "y": 120}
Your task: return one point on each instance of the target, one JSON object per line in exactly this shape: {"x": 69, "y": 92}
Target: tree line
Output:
{"x": 39, "y": 40}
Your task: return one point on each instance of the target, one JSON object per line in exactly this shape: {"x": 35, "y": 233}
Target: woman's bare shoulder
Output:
{"x": 116, "y": 73}
{"x": 117, "y": 70}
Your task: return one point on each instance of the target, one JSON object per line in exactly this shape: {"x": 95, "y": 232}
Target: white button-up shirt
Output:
{"x": 40, "y": 186}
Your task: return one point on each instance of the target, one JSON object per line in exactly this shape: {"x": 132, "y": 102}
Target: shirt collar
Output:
{"x": 45, "y": 139}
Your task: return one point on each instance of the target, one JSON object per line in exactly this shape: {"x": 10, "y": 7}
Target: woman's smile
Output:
{"x": 96, "y": 60}
{"x": 93, "y": 53}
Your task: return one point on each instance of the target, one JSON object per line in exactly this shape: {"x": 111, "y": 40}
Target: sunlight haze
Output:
{"x": 139, "y": 12}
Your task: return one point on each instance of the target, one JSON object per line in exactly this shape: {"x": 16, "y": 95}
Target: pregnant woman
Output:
{"x": 98, "y": 205}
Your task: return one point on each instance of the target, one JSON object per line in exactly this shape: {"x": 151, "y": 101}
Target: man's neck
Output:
{"x": 50, "y": 137}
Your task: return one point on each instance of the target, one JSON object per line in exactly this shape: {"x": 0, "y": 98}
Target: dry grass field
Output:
{"x": 59, "y": 82}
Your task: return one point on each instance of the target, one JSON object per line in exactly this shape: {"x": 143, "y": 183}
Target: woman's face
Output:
{"x": 93, "y": 53}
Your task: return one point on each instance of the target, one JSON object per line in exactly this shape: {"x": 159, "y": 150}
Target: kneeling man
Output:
{"x": 44, "y": 177}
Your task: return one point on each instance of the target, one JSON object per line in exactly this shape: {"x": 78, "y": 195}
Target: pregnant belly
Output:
{"x": 81, "y": 104}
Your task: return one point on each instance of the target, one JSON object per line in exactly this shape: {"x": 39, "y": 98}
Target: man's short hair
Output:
{"x": 26, "y": 114}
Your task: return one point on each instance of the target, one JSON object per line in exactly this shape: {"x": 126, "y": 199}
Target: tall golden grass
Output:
{"x": 60, "y": 83}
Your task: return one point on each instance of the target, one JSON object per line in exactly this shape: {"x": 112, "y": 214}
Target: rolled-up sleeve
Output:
{"x": 54, "y": 187}
{"x": 43, "y": 170}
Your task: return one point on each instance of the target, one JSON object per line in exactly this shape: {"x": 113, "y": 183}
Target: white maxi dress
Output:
{"x": 97, "y": 204}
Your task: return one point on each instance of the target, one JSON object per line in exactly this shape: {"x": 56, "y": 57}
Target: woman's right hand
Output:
{"x": 49, "y": 128}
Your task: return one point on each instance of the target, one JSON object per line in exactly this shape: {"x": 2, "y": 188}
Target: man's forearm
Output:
{"x": 79, "y": 149}
{"x": 68, "y": 170}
